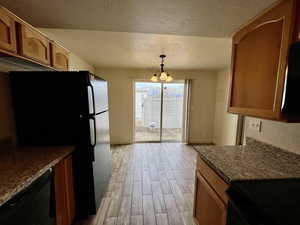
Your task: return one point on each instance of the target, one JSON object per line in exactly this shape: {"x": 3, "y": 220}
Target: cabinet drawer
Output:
{"x": 7, "y": 32}
{"x": 214, "y": 180}
{"x": 59, "y": 57}
{"x": 34, "y": 45}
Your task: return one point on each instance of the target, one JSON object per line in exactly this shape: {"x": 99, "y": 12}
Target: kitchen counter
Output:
{"x": 19, "y": 167}
{"x": 255, "y": 160}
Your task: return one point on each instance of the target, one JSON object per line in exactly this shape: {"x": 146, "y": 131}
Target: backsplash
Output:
{"x": 279, "y": 134}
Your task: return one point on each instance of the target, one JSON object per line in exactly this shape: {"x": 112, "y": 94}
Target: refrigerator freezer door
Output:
{"x": 102, "y": 165}
{"x": 47, "y": 107}
{"x": 101, "y": 96}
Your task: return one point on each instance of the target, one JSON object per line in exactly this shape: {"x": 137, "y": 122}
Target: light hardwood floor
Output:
{"x": 151, "y": 184}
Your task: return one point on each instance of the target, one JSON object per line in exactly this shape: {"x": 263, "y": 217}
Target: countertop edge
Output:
{"x": 213, "y": 167}
{"x": 28, "y": 182}
{"x": 254, "y": 161}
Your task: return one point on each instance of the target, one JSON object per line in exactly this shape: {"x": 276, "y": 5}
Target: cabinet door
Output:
{"x": 297, "y": 23}
{"x": 69, "y": 189}
{"x": 214, "y": 180}
{"x": 259, "y": 60}
{"x": 7, "y": 32}
{"x": 34, "y": 45}
{"x": 60, "y": 194}
{"x": 64, "y": 192}
{"x": 60, "y": 57}
{"x": 208, "y": 207}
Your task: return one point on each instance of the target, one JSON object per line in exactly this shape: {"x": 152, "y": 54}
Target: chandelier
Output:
{"x": 163, "y": 75}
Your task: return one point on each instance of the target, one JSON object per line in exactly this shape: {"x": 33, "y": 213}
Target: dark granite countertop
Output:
{"x": 19, "y": 167}
{"x": 255, "y": 160}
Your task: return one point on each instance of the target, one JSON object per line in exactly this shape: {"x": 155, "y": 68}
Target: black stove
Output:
{"x": 264, "y": 202}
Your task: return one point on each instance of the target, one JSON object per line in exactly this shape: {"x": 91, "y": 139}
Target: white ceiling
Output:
{"x": 214, "y": 18}
{"x": 137, "y": 50}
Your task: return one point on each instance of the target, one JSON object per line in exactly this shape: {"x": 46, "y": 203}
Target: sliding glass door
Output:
{"x": 147, "y": 111}
{"x": 159, "y": 111}
{"x": 172, "y": 112}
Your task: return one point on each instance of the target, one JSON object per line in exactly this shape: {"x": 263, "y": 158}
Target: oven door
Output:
{"x": 31, "y": 206}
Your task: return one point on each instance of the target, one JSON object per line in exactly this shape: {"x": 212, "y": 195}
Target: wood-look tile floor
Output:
{"x": 151, "y": 184}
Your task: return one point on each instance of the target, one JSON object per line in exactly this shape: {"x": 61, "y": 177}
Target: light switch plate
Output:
{"x": 255, "y": 125}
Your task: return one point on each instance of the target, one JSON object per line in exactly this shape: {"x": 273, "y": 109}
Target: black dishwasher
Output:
{"x": 31, "y": 206}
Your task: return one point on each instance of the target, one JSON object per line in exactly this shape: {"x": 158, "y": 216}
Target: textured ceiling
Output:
{"x": 136, "y": 50}
{"x": 133, "y": 33}
{"x": 214, "y": 18}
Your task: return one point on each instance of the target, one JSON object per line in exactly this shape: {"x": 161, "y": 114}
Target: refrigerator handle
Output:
{"x": 93, "y": 98}
{"x": 95, "y": 133}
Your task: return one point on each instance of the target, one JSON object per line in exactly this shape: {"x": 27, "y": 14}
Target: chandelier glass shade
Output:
{"x": 154, "y": 78}
{"x": 163, "y": 76}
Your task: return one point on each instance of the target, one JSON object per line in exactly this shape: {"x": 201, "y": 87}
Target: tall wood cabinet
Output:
{"x": 259, "y": 62}
{"x": 64, "y": 192}
{"x": 7, "y": 32}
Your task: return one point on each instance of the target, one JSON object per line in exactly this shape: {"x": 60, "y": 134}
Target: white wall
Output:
{"x": 76, "y": 63}
{"x": 225, "y": 124}
{"x": 202, "y": 107}
{"x": 282, "y": 135}
{"x": 121, "y": 102}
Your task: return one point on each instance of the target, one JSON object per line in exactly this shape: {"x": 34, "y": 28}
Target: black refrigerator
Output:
{"x": 67, "y": 109}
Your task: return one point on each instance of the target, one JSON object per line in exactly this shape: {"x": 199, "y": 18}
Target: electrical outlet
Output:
{"x": 255, "y": 125}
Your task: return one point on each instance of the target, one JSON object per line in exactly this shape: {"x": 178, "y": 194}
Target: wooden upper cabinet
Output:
{"x": 20, "y": 39}
{"x": 33, "y": 44}
{"x": 59, "y": 57}
{"x": 7, "y": 32}
{"x": 259, "y": 61}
